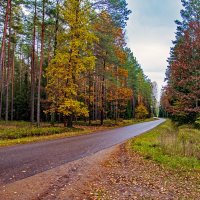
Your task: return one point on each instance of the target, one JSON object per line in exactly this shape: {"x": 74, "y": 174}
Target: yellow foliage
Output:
{"x": 122, "y": 72}
{"x": 73, "y": 107}
{"x": 141, "y": 112}
{"x": 124, "y": 93}
{"x": 74, "y": 56}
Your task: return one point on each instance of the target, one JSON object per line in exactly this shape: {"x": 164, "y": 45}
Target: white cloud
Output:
{"x": 150, "y": 31}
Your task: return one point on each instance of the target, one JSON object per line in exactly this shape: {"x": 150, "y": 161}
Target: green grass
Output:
{"x": 17, "y": 130}
{"x": 20, "y": 132}
{"x": 16, "y": 133}
{"x": 119, "y": 122}
{"x": 171, "y": 146}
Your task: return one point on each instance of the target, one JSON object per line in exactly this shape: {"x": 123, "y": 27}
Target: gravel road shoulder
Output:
{"x": 51, "y": 184}
{"x": 114, "y": 173}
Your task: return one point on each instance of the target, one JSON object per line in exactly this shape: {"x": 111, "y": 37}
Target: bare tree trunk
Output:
{"x": 49, "y": 51}
{"x": 40, "y": 70}
{"x": 103, "y": 93}
{"x": 8, "y": 66}
{"x": 12, "y": 89}
{"x": 133, "y": 103}
{"x": 70, "y": 121}
{"x": 55, "y": 47}
{"x": 2, "y": 58}
{"x": 116, "y": 102}
{"x": 33, "y": 68}
{"x": 20, "y": 70}
{"x": 2, "y": 88}
{"x": 98, "y": 86}
{"x": 90, "y": 103}
{"x": 56, "y": 26}
{"x": 93, "y": 109}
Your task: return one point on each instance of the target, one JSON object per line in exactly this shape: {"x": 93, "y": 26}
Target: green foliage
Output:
{"x": 118, "y": 10}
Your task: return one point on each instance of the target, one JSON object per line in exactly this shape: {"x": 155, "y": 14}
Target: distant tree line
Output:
{"x": 67, "y": 60}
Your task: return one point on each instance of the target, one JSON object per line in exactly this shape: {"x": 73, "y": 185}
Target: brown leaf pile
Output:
{"x": 128, "y": 175}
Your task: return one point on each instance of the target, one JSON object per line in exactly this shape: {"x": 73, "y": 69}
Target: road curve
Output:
{"x": 21, "y": 161}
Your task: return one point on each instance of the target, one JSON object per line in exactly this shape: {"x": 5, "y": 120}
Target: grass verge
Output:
{"x": 171, "y": 146}
{"x": 20, "y": 132}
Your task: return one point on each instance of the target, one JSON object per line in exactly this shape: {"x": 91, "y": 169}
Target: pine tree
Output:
{"x": 182, "y": 94}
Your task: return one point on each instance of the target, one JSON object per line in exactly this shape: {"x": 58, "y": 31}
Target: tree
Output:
{"x": 8, "y": 7}
{"x": 33, "y": 62}
{"x": 8, "y": 63}
{"x": 141, "y": 112}
{"x": 155, "y": 98}
{"x": 73, "y": 57}
{"x": 182, "y": 94}
{"x": 117, "y": 9}
{"x": 56, "y": 52}
{"x": 41, "y": 63}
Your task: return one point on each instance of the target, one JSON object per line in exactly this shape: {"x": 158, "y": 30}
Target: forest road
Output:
{"x": 22, "y": 161}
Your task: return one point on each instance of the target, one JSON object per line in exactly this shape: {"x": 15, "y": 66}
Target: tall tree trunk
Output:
{"x": 116, "y": 102}
{"x": 20, "y": 70}
{"x": 70, "y": 121}
{"x": 8, "y": 66}
{"x": 40, "y": 69}
{"x": 2, "y": 58}
{"x": 133, "y": 106}
{"x": 103, "y": 93}
{"x": 98, "y": 87}
{"x": 49, "y": 50}
{"x": 56, "y": 26}
{"x": 33, "y": 67}
{"x": 90, "y": 103}
{"x": 2, "y": 88}
{"x": 55, "y": 47}
{"x": 94, "y": 96}
{"x": 12, "y": 87}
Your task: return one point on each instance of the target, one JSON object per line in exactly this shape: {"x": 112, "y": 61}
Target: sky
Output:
{"x": 150, "y": 31}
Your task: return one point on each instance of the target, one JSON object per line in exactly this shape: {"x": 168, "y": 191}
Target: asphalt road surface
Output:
{"x": 21, "y": 161}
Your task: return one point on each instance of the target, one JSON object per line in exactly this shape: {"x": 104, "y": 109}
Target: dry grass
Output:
{"x": 183, "y": 141}
{"x": 172, "y": 146}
